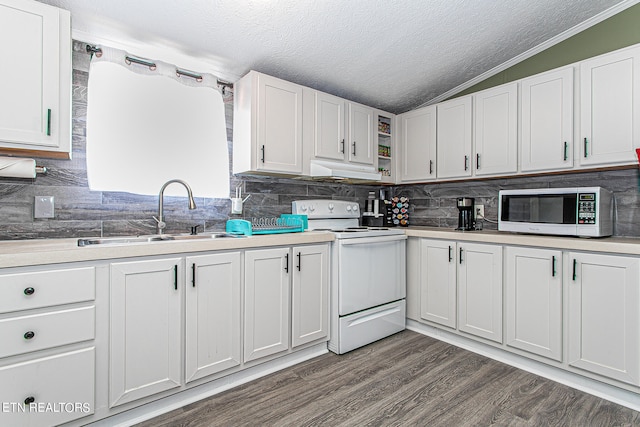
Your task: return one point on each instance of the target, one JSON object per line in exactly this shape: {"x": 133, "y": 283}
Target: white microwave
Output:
{"x": 578, "y": 211}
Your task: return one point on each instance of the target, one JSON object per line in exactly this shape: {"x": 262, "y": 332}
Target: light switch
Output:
{"x": 43, "y": 207}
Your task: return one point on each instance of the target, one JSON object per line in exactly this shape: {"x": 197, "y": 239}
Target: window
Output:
{"x": 147, "y": 125}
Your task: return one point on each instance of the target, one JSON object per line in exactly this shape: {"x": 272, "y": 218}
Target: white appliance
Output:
{"x": 368, "y": 274}
{"x": 576, "y": 211}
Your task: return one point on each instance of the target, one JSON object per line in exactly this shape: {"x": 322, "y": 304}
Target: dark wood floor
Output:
{"x": 404, "y": 380}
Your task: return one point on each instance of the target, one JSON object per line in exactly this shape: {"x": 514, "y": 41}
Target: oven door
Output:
{"x": 371, "y": 272}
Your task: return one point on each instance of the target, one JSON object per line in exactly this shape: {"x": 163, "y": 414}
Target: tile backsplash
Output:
{"x": 80, "y": 212}
{"x": 435, "y": 204}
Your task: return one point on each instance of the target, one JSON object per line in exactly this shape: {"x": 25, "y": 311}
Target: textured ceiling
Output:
{"x": 390, "y": 54}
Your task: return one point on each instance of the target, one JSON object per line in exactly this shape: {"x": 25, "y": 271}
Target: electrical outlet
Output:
{"x": 479, "y": 211}
{"x": 43, "y": 207}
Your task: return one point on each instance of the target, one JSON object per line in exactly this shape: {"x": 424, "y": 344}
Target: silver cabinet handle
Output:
{"x": 466, "y": 163}
{"x": 354, "y": 148}
{"x": 430, "y": 167}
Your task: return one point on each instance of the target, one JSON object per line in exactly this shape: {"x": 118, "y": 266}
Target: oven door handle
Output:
{"x": 369, "y": 240}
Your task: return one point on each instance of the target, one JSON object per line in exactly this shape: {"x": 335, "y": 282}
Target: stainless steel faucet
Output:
{"x": 160, "y": 219}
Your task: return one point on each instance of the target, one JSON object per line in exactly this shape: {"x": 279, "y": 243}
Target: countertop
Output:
{"x": 19, "y": 253}
{"x": 618, "y": 245}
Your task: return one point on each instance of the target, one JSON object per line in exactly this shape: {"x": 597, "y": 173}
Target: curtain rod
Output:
{"x": 152, "y": 66}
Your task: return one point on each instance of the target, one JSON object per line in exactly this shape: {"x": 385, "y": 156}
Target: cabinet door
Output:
{"x": 360, "y": 134}
{"x": 212, "y": 314}
{"x": 604, "y": 315}
{"x": 547, "y": 121}
{"x": 310, "y": 294}
{"x": 480, "y": 290}
{"x": 438, "y": 281}
{"x": 454, "y": 138}
{"x": 35, "y": 79}
{"x": 146, "y": 341}
{"x": 534, "y": 300}
{"x": 496, "y": 130}
{"x": 65, "y": 377}
{"x": 610, "y": 106}
{"x": 266, "y": 302}
{"x": 279, "y": 125}
{"x": 329, "y": 126}
{"x": 418, "y": 145}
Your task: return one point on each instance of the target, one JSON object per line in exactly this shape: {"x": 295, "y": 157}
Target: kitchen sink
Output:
{"x": 153, "y": 238}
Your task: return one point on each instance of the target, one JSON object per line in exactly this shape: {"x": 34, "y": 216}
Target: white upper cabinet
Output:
{"x": 35, "y": 79}
{"x": 610, "y": 108}
{"x": 417, "y": 147}
{"x": 454, "y": 138}
{"x": 267, "y": 131}
{"x": 361, "y": 139}
{"x": 547, "y": 121}
{"x": 337, "y": 130}
{"x": 496, "y": 130}
{"x": 329, "y": 126}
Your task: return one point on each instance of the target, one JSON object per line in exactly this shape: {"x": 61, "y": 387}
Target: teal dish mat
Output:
{"x": 286, "y": 223}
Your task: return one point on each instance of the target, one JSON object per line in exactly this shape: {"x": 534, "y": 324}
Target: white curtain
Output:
{"x": 145, "y": 127}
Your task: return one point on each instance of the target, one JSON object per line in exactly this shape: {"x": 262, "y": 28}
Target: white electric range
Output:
{"x": 368, "y": 274}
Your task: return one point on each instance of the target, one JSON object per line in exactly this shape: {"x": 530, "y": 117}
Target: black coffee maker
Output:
{"x": 466, "y": 206}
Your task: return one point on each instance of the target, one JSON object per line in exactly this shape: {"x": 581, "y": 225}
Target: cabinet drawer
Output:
{"x": 61, "y": 389}
{"x": 37, "y": 332}
{"x": 23, "y": 291}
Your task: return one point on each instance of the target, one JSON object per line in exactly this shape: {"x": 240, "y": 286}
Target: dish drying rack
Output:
{"x": 286, "y": 223}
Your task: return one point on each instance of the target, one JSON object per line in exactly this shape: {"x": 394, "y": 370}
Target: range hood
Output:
{"x": 339, "y": 171}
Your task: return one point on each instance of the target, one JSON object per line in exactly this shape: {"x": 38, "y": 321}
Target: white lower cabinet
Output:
{"x": 310, "y": 294}
{"x": 266, "y": 303}
{"x": 48, "y": 391}
{"x": 278, "y": 282}
{"x": 461, "y": 286}
{"x": 145, "y": 354}
{"x": 604, "y": 315}
{"x": 438, "y": 281}
{"x": 533, "y": 298}
{"x": 48, "y": 350}
{"x": 480, "y": 290}
{"x": 576, "y": 311}
{"x": 212, "y": 314}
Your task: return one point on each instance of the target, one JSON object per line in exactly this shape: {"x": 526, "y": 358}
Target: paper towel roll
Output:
{"x": 17, "y": 168}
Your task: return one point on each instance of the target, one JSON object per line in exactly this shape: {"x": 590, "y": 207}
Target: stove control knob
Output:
{"x": 348, "y": 208}
{"x": 312, "y": 208}
{"x": 303, "y": 208}
{"x": 330, "y": 207}
{"x": 355, "y": 208}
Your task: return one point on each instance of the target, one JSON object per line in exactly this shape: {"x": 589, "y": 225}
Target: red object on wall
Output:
{"x": 638, "y": 155}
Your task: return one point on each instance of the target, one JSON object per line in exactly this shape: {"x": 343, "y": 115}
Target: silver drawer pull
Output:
{"x": 29, "y": 335}
{"x": 29, "y": 291}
